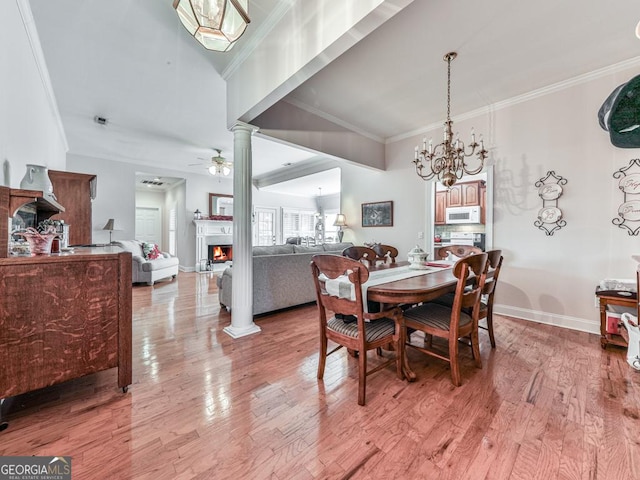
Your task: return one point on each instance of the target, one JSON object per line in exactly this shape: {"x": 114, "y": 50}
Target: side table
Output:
{"x": 613, "y": 297}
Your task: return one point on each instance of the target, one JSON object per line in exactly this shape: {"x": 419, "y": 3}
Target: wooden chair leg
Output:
{"x": 475, "y": 348}
{"x": 323, "y": 355}
{"x": 453, "y": 360}
{"x": 362, "y": 377}
{"x": 490, "y": 326}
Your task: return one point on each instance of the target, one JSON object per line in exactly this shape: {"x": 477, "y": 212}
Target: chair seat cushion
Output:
{"x": 374, "y": 330}
{"x": 434, "y": 315}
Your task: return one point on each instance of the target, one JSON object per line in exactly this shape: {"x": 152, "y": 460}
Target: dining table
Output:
{"x": 433, "y": 283}
{"x": 399, "y": 283}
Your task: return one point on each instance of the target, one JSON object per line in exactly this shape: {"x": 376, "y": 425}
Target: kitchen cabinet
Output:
{"x": 464, "y": 194}
{"x": 470, "y": 194}
{"x": 441, "y": 205}
{"x": 454, "y": 196}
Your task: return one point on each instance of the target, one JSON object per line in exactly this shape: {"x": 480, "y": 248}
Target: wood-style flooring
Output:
{"x": 549, "y": 403}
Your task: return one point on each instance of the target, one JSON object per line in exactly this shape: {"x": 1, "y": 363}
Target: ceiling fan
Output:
{"x": 219, "y": 165}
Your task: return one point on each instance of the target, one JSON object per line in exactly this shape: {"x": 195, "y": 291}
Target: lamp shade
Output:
{"x": 216, "y": 24}
{"x": 110, "y": 225}
{"x": 341, "y": 221}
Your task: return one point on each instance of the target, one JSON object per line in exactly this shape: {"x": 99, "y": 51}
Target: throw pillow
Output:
{"x": 150, "y": 251}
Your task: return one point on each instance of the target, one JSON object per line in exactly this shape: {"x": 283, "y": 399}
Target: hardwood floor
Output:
{"x": 549, "y": 403}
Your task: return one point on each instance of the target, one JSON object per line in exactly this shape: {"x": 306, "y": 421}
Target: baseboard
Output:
{"x": 564, "y": 321}
{"x": 186, "y": 269}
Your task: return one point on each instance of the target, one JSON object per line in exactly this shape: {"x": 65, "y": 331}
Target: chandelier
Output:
{"x": 446, "y": 161}
{"x": 219, "y": 166}
{"x": 216, "y": 24}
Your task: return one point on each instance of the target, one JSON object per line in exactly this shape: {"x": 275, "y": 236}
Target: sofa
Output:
{"x": 149, "y": 270}
{"x": 281, "y": 276}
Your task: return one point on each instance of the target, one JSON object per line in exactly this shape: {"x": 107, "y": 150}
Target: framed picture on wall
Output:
{"x": 378, "y": 214}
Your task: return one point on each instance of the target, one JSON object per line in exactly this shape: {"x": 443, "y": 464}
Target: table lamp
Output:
{"x": 111, "y": 226}
{"x": 340, "y": 222}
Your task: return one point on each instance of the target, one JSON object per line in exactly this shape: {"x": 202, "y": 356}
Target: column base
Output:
{"x": 235, "y": 332}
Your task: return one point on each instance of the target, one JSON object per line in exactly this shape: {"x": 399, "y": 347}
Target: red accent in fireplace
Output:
{"x": 220, "y": 253}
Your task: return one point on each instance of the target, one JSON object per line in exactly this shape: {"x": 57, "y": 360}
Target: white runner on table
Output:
{"x": 343, "y": 288}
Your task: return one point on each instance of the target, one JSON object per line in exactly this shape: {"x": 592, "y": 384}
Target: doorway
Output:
{"x": 149, "y": 225}
{"x": 265, "y": 228}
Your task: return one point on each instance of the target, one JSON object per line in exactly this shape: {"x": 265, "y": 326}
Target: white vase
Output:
{"x": 37, "y": 178}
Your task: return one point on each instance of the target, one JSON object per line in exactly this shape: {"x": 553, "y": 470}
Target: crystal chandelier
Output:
{"x": 216, "y": 24}
{"x": 219, "y": 166}
{"x": 446, "y": 161}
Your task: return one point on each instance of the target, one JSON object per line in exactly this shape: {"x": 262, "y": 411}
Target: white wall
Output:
{"x": 545, "y": 278}
{"x": 30, "y": 128}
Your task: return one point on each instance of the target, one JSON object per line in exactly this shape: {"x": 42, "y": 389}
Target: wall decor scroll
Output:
{"x": 550, "y": 216}
{"x": 629, "y": 209}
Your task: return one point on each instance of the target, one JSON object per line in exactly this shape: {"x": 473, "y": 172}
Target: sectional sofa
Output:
{"x": 281, "y": 276}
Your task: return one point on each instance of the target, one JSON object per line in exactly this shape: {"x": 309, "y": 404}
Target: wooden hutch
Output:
{"x": 62, "y": 316}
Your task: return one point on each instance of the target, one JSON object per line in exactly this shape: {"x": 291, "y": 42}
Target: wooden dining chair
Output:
{"x": 486, "y": 299}
{"x": 362, "y": 254}
{"x": 370, "y": 331}
{"x": 459, "y": 251}
{"x": 384, "y": 252}
{"x": 452, "y": 323}
{"x": 488, "y": 292}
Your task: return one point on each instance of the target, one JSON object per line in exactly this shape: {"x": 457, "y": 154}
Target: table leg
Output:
{"x": 406, "y": 369}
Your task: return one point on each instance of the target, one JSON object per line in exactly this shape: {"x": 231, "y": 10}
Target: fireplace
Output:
{"x": 220, "y": 253}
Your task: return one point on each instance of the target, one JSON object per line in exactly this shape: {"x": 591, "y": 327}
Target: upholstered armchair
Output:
{"x": 150, "y": 267}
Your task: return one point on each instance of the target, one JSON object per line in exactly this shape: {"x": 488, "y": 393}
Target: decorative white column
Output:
{"x": 242, "y": 280}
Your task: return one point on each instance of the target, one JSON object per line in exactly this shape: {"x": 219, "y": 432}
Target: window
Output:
{"x": 298, "y": 223}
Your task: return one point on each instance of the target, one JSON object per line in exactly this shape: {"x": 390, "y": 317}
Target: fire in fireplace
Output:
{"x": 220, "y": 253}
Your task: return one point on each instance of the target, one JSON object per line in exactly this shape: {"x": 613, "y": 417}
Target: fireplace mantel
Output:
{"x": 211, "y": 232}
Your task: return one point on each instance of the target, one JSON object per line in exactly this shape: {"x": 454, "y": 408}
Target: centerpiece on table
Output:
{"x": 41, "y": 240}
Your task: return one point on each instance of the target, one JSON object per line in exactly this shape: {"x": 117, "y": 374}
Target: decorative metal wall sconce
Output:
{"x": 629, "y": 209}
{"x": 550, "y": 216}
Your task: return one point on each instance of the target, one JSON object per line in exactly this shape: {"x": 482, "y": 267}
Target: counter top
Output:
{"x": 78, "y": 253}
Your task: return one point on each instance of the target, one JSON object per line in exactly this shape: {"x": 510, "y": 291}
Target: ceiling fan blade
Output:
{"x": 193, "y": 164}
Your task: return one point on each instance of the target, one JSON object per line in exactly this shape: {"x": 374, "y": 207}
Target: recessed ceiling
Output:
{"x": 323, "y": 183}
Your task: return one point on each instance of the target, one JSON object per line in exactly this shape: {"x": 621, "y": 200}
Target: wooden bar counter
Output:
{"x": 63, "y": 316}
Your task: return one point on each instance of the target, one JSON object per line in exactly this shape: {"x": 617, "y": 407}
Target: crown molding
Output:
{"x": 38, "y": 56}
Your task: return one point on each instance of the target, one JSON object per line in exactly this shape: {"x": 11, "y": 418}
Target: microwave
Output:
{"x": 463, "y": 214}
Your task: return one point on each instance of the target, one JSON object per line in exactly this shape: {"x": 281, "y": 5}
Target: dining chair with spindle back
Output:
{"x": 370, "y": 331}
{"x": 494, "y": 259}
{"x": 459, "y": 251}
{"x": 384, "y": 252}
{"x": 454, "y": 322}
{"x": 361, "y": 254}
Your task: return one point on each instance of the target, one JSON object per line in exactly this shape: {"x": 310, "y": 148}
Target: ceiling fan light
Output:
{"x": 226, "y": 170}
{"x": 212, "y": 170}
